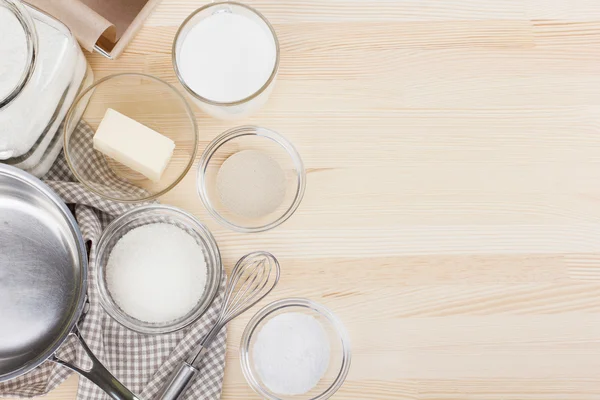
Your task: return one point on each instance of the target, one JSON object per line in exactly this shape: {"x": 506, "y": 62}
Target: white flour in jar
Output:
{"x": 13, "y": 48}
{"x": 156, "y": 273}
{"x": 291, "y": 353}
{"x": 42, "y": 155}
{"x": 227, "y": 57}
{"x": 26, "y": 118}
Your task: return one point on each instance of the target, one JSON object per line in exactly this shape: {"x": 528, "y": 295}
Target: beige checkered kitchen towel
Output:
{"x": 140, "y": 362}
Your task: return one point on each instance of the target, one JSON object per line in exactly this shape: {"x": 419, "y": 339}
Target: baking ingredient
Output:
{"x": 43, "y": 99}
{"x": 133, "y": 144}
{"x": 251, "y": 184}
{"x": 44, "y": 153}
{"x": 291, "y": 353}
{"x": 13, "y": 48}
{"x": 227, "y": 57}
{"x": 156, "y": 273}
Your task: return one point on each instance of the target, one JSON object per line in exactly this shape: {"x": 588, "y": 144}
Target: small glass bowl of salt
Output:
{"x": 295, "y": 349}
{"x": 158, "y": 269}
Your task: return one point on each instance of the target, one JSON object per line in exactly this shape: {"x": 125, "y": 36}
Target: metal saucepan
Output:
{"x": 43, "y": 275}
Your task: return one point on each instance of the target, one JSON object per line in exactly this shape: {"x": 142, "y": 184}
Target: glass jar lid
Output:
{"x": 18, "y": 49}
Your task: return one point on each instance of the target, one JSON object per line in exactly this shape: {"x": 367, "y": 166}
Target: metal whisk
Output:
{"x": 253, "y": 277}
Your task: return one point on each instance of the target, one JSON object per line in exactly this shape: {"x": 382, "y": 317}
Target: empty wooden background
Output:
{"x": 452, "y": 213}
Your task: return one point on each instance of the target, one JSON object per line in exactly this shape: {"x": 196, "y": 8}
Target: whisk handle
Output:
{"x": 183, "y": 376}
{"x": 179, "y": 381}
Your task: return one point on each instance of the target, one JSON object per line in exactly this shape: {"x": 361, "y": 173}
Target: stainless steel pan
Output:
{"x": 43, "y": 272}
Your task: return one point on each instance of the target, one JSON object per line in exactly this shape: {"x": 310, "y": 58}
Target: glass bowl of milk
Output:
{"x": 226, "y": 56}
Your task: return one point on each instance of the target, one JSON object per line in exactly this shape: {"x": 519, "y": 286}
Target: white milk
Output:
{"x": 227, "y": 57}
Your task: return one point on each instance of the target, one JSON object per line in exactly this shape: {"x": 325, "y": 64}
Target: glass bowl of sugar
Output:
{"x": 295, "y": 349}
{"x": 251, "y": 179}
{"x": 226, "y": 56}
{"x": 158, "y": 269}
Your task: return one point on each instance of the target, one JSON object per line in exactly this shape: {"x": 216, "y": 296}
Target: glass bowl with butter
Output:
{"x": 130, "y": 137}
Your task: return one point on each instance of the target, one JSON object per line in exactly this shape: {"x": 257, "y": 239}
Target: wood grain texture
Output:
{"x": 452, "y": 212}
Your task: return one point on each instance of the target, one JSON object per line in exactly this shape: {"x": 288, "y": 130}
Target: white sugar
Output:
{"x": 291, "y": 353}
{"x": 156, "y": 273}
{"x": 227, "y": 57}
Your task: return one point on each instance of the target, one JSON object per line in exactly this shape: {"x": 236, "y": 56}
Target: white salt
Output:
{"x": 291, "y": 353}
{"x": 156, "y": 273}
{"x": 227, "y": 57}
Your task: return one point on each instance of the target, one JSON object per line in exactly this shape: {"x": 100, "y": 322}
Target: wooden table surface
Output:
{"x": 452, "y": 211}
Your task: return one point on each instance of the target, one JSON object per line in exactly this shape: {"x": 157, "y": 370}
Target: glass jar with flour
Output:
{"x": 42, "y": 69}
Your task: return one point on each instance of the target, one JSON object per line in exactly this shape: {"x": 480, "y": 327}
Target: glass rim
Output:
{"x": 278, "y": 305}
{"x": 232, "y": 134}
{"x": 211, "y": 289}
{"x": 31, "y": 39}
{"x": 224, "y": 103}
{"x": 152, "y": 196}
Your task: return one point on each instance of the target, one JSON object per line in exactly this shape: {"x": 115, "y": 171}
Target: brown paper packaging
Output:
{"x": 106, "y": 26}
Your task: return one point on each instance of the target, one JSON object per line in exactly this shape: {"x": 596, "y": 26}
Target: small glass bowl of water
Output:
{"x": 226, "y": 56}
{"x": 267, "y": 142}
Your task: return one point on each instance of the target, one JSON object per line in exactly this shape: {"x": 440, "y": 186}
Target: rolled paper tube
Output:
{"x": 87, "y": 25}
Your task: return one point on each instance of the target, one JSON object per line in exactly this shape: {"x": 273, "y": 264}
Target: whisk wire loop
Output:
{"x": 246, "y": 285}
{"x": 253, "y": 277}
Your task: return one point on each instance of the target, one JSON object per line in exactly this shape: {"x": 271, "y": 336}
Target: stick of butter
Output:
{"x": 133, "y": 144}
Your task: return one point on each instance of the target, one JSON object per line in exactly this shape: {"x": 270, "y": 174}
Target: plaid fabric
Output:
{"x": 140, "y": 362}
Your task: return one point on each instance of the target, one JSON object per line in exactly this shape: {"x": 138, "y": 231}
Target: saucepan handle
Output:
{"x": 98, "y": 374}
